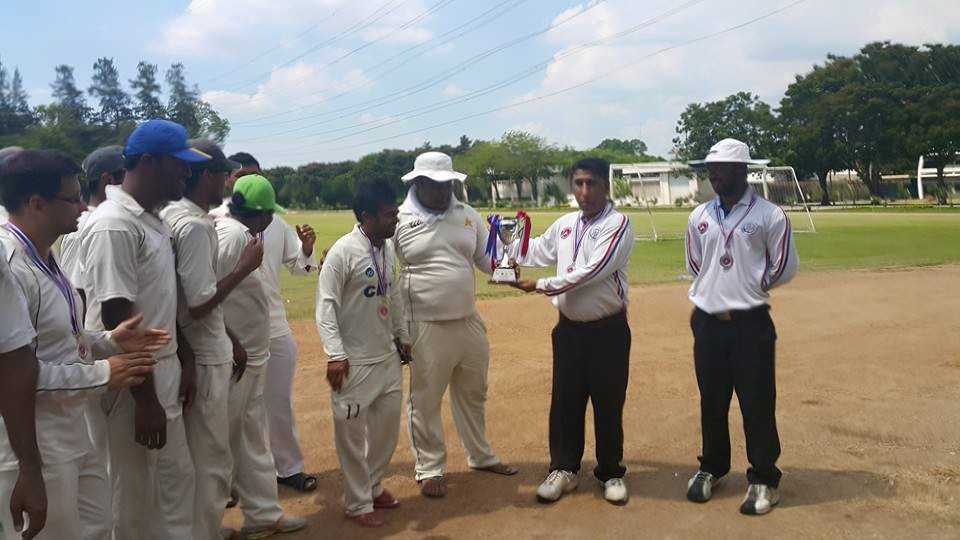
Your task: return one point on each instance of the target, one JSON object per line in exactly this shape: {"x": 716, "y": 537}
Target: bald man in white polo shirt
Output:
{"x": 738, "y": 246}
{"x": 439, "y": 242}
{"x": 591, "y": 342}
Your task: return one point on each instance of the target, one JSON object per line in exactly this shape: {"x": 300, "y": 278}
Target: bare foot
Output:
{"x": 434, "y": 488}
{"x": 370, "y": 520}
{"x": 499, "y": 468}
{"x": 386, "y": 500}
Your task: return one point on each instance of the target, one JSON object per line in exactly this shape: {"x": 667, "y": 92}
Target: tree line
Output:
{"x": 78, "y": 126}
{"x": 523, "y": 158}
{"x": 875, "y": 112}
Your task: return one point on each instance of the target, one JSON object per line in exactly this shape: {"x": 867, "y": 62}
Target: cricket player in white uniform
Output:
{"x": 360, "y": 319}
{"x": 41, "y": 190}
{"x": 293, "y": 248}
{"x": 739, "y": 246}
{"x": 202, "y": 331}
{"x": 246, "y": 315}
{"x": 591, "y": 342}
{"x": 439, "y": 242}
{"x": 102, "y": 168}
{"x": 129, "y": 267}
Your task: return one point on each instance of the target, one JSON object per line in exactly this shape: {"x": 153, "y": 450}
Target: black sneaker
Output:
{"x": 700, "y": 487}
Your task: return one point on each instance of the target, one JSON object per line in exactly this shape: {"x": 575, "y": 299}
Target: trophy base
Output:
{"x": 504, "y": 275}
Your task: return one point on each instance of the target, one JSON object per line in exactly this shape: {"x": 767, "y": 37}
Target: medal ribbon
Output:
{"x": 728, "y": 237}
{"x": 381, "y": 267}
{"x": 52, "y": 271}
{"x": 578, "y": 235}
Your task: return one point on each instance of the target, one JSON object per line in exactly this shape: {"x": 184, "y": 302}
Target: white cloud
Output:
{"x": 648, "y": 95}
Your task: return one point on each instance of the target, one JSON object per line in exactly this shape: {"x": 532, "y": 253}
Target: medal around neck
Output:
{"x": 507, "y": 230}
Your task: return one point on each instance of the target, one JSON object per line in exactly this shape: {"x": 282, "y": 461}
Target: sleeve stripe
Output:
{"x": 693, "y": 264}
{"x": 784, "y": 253}
{"x": 607, "y": 257}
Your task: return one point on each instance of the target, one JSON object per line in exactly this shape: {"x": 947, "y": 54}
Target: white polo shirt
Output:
{"x": 437, "y": 259}
{"x": 591, "y": 257}
{"x": 128, "y": 253}
{"x": 282, "y": 247}
{"x": 70, "y": 260}
{"x": 65, "y": 380}
{"x": 195, "y": 244}
{"x": 738, "y": 257}
{"x": 354, "y": 320}
{"x": 246, "y": 311}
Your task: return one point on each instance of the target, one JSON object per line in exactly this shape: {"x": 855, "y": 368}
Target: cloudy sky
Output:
{"x": 309, "y": 80}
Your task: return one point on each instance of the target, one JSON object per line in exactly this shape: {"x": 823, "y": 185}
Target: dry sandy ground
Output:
{"x": 869, "y": 416}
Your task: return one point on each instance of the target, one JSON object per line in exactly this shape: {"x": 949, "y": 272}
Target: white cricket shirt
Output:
{"x": 738, "y": 257}
{"x": 195, "y": 244}
{"x": 282, "y": 247}
{"x": 437, "y": 259}
{"x": 591, "y": 258}
{"x": 246, "y": 311}
{"x": 127, "y": 253}
{"x": 15, "y": 328}
{"x": 65, "y": 380}
{"x": 70, "y": 261}
{"x": 356, "y": 321}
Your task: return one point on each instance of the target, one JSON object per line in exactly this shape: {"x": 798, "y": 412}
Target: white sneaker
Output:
{"x": 556, "y": 485}
{"x": 615, "y": 491}
{"x": 700, "y": 487}
{"x": 760, "y": 499}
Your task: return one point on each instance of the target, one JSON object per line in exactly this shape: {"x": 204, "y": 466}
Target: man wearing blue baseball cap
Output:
{"x": 129, "y": 268}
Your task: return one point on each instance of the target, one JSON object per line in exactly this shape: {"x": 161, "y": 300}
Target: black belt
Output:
{"x": 737, "y": 314}
{"x": 619, "y": 317}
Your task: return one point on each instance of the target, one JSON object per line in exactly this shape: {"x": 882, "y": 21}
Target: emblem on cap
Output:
{"x": 565, "y": 232}
{"x": 702, "y": 227}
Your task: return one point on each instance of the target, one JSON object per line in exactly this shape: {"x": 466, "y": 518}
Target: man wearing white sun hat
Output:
{"x": 438, "y": 242}
{"x": 738, "y": 247}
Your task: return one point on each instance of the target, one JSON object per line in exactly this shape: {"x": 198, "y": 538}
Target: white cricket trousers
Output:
{"x": 366, "y": 421}
{"x": 455, "y": 354}
{"x": 95, "y": 488}
{"x": 284, "y": 439}
{"x": 208, "y": 434}
{"x": 254, "y": 474}
{"x": 63, "y": 515}
{"x": 153, "y": 490}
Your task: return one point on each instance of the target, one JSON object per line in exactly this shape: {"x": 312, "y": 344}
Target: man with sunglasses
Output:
{"x": 246, "y": 313}
{"x": 129, "y": 267}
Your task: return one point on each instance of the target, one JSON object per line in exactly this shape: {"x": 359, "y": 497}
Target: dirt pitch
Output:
{"x": 869, "y": 417}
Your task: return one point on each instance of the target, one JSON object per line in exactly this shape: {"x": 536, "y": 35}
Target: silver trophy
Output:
{"x": 509, "y": 230}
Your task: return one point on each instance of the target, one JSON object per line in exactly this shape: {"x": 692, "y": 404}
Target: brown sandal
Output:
{"x": 434, "y": 487}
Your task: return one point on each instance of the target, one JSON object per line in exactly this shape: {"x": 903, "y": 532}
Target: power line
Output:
{"x": 509, "y": 81}
{"x": 385, "y": 9}
{"x": 464, "y": 29}
{"x": 279, "y": 45}
{"x": 436, "y": 79}
{"x": 542, "y": 97}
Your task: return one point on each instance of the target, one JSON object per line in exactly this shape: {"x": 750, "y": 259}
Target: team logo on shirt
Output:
{"x": 595, "y": 232}
{"x": 565, "y": 233}
{"x": 370, "y": 291}
{"x": 749, "y": 228}
{"x": 369, "y": 271}
{"x": 415, "y": 223}
{"x": 702, "y": 227}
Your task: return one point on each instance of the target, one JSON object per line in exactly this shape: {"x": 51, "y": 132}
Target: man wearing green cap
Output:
{"x": 247, "y": 315}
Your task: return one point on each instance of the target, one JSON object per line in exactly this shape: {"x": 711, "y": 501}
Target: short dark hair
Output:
{"x": 237, "y": 207}
{"x": 34, "y": 172}
{"x": 598, "y": 167}
{"x": 245, "y": 159}
{"x": 371, "y": 196}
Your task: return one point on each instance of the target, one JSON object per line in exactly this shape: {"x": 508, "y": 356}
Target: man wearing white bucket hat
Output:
{"x": 438, "y": 242}
{"x": 738, "y": 247}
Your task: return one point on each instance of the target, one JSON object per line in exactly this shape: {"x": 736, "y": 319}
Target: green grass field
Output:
{"x": 844, "y": 240}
